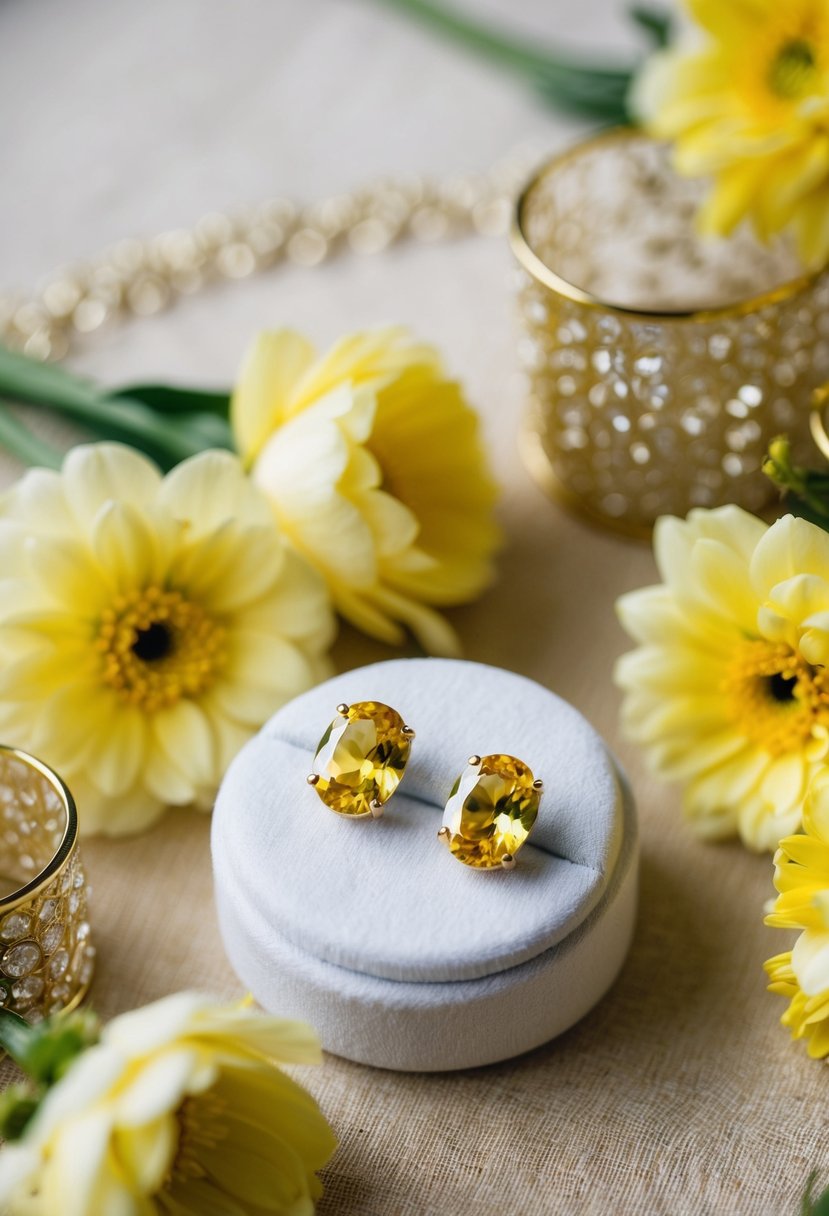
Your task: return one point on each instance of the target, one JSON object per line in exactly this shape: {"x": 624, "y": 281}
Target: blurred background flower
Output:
{"x": 181, "y": 1109}
{"x": 148, "y": 626}
{"x": 728, "y": 690}
{"x": 748, "y": 104}
{"x": 373, "y": 461}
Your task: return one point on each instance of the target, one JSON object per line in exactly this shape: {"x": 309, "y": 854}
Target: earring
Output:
{"x": 491, "y": 811}
{"x": 361, "y": 758}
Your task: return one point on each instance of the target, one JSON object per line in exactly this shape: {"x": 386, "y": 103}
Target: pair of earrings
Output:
{"x": 360, "y": 762}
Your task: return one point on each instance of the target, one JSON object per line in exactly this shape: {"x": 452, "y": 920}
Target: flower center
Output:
{"x": 775, "y": 696}
{"x": 202, "y": 1126}
{"x": 158, "y": 647}
{"x": 793, "y": 69}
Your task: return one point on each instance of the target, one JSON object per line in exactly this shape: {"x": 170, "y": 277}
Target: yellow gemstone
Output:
{"x": 491, "y": 811}
{"x": 361, "y": 758}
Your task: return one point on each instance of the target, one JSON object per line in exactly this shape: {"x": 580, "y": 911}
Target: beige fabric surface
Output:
{"x": 680, "y": 1093}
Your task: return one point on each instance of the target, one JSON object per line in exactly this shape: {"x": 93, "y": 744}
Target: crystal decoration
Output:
{"x": 659, "y": 364}
{"x": 42, "y": 931}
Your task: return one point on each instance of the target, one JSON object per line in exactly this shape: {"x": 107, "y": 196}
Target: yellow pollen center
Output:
{"x": 775, "y": 697}
{"x": 157, "y": 647}
{"x": 793, "y": 70}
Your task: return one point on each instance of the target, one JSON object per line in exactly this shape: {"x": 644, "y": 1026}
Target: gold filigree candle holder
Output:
{"x": 46, "y": 955}
{"x": 660, "y": 363}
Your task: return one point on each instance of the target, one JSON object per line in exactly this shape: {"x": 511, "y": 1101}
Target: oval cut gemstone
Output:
{"x": 490, "y": 812}
{"x": 361, "y": 757}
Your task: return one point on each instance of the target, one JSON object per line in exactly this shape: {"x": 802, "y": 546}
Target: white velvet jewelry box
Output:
{"x": 400, "y": 955}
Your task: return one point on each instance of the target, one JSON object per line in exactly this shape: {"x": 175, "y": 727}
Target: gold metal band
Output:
{"x": 46, "y": 954}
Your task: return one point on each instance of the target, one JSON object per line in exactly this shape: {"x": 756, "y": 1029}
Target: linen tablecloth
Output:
{"x": 680, "y": 1093}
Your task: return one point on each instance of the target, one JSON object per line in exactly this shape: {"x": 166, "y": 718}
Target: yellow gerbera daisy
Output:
{"x": 148, "y": 626}
{"x": 802, "y": 881}
{"x": 801, "y": 874}
{"x": 802, "y": 976}
{"x": 180, "y": 1110}
{"x": 729, "y": 689}
{"x": 751, "y": 108}
{"x": 374, "y": 465}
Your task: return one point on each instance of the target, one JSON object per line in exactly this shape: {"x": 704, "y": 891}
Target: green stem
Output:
{"x": 504, "y": 48}
{"x": 167, "y": 439}
{"x": 587, "y": 88}
{"x": 133, "y": 422}
{"x": 24, "y": 379}
{"x": 22, "y": 443}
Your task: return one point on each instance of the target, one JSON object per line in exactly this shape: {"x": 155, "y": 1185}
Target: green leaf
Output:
{"x": 656, "y": 22}
{"x": 588, "y": 95}
{"x": 811, "y": 1206}
{"x": 16, "y": 1036}
{"x": 18, "y": 1105}
{"x": 22, "y": 443}
{"x": 171, "y": 399}
{"x": 206, "y": 430}
{"x": 44, "y": 1052}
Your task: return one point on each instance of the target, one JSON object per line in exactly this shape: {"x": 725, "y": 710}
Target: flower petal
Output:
{"x": 95, "y": 474}
{"x": 270, "y": 371}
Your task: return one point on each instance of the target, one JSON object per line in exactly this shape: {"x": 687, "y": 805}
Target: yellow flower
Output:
{"x": 802, "y": 881}
{"x": 802, "y": 975}
{"x": 148, "y": 626}
{"x": 729, "y": 689}
{"x": 373, "y": 462}
{"x": 801, "y": 873}
{"x": 750, "y": 107}
{"x": 180, "y": 1110}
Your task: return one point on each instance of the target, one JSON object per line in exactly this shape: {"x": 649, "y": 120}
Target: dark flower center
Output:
{"x": 781, "y": 688}
{"x": 153, "y": 643}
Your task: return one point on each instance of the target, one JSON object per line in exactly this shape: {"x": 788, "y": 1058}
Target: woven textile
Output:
{"x": 680, "y": 1095}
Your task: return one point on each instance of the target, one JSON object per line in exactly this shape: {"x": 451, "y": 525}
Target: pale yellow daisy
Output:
{"x": 729, "y": 691}
{"x": 749, "y": 105}
{"x": 373, "y": 462}
{"x": 180, "y": 1110}
{"x": 148, "y": 626}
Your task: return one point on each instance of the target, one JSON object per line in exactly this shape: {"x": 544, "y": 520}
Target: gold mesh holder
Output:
{"x": 46, "y": 955}
{"x": 660, "y": 364}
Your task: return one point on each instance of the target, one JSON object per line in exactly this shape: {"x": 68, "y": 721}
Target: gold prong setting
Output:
{"x": 491, "y": 811}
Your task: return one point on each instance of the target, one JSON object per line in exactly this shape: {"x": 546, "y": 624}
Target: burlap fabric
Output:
{"x": 680, "y": 1093}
